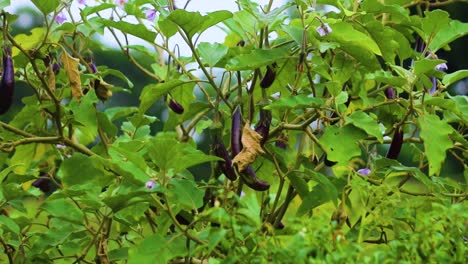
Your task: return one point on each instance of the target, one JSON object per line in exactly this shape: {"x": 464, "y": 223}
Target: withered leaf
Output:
{"x": 50, "y": 78}
{"x": 71, "y": 68}
{"x": 251, "y": 148}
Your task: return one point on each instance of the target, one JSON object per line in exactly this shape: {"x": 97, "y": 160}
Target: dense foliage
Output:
{"x": 333, "y": 135}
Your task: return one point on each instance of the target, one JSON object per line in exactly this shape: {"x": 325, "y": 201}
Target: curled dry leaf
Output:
{"x": 251, "y": 148}
{"x": 71, "y": 68}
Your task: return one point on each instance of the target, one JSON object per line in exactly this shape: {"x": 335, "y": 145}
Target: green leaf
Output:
{"x": 131, "y": 162}
{"x": 152, "y": 92}
{"x": 341, "y": 143}
{"x": 4, "y": 3}
{"x": 79, "y": 169}
{"x": 64, "y": 209}
{"x": 7, "y": 223}
{"x": 115, "y": 113}
{"x": 434, "y": 21}
{"x": 454, "y": 77}
{"x": 193, "y": 22}
{"x": 448, "y": 33}
{"x": 88, "y": 10}
{"x": 168, "y": 153}
{"x": 296, "y": 102}
{"x": 321, "y": 193}
{"x": 345, "y": 34}
{"x": 435, "y": 134}
{"x": 157, "y": 249}
{"x": 84, "y": 114}
{"x": 365, "y": 122}
{"x": 425, "y": 66}
{"x": 386, "y": 77}
{"x": 46, "y": 7}
{"x": 257, "y": 58}
{"x": 462, "y": 105}
{"x": 137, "y": 30}
{"x": 185, "y": 194}
{"x": 211, "y": 53}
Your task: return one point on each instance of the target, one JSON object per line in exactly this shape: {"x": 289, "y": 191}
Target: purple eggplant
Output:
{"x": 282, "y": 141}
{"x": 250, "y": 179}
{"x": 390, "y": 93}
{"x": 263, "y": 125}
{"x": 396, "y": 144}
{"x": 236, "y": 132}
{"x": 7, "y": 84}
{"x": 269, "y": 77}
{"x": 176, "y": 107}
{"x": 220, "y": 151}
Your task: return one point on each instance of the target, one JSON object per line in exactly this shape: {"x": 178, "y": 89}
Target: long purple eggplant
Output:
{"x": 396, "y": 144}
{"x": 269, "y": 78}
{"x": 7, "y": 84}
{"x": 250, "y": 179}
{"x": 263, "y": 125}
{"x": 236, "y": 132}
{"x": 176, "y": 107}
{"x": 220, "y": 151}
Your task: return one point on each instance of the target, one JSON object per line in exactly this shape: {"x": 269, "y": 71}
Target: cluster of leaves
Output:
{"x": 82, "y": 181}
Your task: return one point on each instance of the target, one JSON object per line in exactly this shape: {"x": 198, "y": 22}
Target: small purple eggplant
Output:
{"x": 176, "y": 107}
{"x": 263, "y": 125}
{"x": 7, "y": 84}
{"x": 396, "y": 144}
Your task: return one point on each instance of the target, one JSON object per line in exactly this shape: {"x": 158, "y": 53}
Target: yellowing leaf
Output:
{"x": 50, "y": 76}
{"x": 71, "y": 68}
{"x": 251, "y": 148}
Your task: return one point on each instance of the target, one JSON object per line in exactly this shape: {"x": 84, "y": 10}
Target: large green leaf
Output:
{"x": 211, "y": 53}
{"x": 3, "y": 4}
{"x": 454, "y": 77}
{"x": 257, "y": 58}
{"x": 365, "y": 122}
{"x": 296, "y": 102}
{"x": 168, "y": 153}
{"x": 341, "y": 143}
{"x": 157, "y": 249}
{"x": 80, "y": 169}
{"x": 321, "y": 193}
{"x": 448, "y": 33}
{"x": 193, "y": 22}
{"x": 185, "y": 194}
{"x": 435, "y": 134}
{"x": 434, "y": 21}
{"x": 137, "y": 30}
{"x": 426, "y": 66}
{"x": 85, "y": 117}
{"x": 345, "y": 34}
{"x": 152, "y": 92}
{"x": 64, "y": 209}
{"x": 46, "y": 7}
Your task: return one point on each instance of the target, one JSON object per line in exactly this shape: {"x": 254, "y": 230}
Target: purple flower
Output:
{"x": 60, "y": 146}
{"x": 60, "y": 18}
{"x": 83, "y": 2}
{"x": 120, "y": 3}
{"x": 150, "y": 14}
{"x": 364, "y": 172}
{"x": 441, "y": 67}
{"x": 324, "y": 29}
{"x": 150, "y": 184}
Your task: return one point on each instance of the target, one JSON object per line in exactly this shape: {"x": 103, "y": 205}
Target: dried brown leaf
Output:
{"x": 50, "y": 78}
{"x": 251, "y": 148}
{"x": 71, "y": 68}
